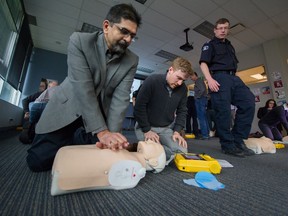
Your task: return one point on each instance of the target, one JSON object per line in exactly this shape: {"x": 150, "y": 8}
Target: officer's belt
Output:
{"x": 223, "y": 72}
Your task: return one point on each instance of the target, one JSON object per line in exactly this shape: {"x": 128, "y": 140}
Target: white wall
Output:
{"x": 273, "y": 55}
{"x": 11, "y": 115}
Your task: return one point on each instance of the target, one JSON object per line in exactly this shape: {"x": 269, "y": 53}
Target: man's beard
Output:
{"x": 119, "y": 47}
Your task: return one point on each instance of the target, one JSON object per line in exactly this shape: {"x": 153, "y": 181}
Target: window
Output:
{"x": 1, "y": 84}
{"x": 11, "y": 60}
{"x": 7, "y": 38}
{"x": 136, "y": 84}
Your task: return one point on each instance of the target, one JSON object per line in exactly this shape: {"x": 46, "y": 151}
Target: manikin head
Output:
{"x": 154, "y": 155}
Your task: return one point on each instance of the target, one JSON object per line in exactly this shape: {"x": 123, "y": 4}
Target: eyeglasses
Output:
{"x": 126, "y": 32}
{"x": 223, "y": 28}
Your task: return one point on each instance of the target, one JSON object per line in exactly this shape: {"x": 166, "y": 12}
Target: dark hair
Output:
{"x": 221, "y": 21}
{"x": 268, "y": 101}
{"x": 196, "y": 74}
{"x": 45, "y": 81}
{"x": 125, "y": 11}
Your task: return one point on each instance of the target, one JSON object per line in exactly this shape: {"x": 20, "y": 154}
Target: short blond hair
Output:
{"x": 182, "y": 64}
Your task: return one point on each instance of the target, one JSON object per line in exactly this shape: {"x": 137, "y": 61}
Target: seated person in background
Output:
{"x": 159, "y": 99}
{"x": 31, "y": 98}
{"x": 270, "y": 104}
{"x": 27, "y": 135}
{"x": 268, "y": 123}
{"x": 40, "y": 102}
{"x": 262, "y": 111}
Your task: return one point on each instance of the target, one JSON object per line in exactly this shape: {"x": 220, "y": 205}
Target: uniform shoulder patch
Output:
{"x": 206, "y": 47}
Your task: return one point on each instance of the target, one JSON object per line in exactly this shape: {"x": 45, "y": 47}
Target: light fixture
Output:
{"x": 257, "y": 76}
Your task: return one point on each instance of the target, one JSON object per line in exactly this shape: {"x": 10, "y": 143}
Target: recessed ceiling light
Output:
{"x": 141, "y": 1}
{"x": 257, "y": 76}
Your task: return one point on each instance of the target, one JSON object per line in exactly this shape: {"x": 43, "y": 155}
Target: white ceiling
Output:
{"x": 163, "y": 25}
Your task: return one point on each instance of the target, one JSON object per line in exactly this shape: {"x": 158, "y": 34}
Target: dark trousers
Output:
{"x": 270, "y": 131}
{"x": 211, "y": 119}
{"x": 232, "y": 91}
{"x": 191, "y": 113}
{"x": 45, "y": 146}
{"x": 36, "y": 112}
{"x": 201, "y": 104}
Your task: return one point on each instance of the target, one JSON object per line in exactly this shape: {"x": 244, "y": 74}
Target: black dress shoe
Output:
{"x": 246, "y": 151}
{"x": 234, "y": 152}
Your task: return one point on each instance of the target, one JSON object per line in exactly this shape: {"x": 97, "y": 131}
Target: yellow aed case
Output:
{"x": 189, "y": 162}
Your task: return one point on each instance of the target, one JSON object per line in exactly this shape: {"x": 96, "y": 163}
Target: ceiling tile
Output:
{"x": 154, "y": 32}
{"x": 178, "y": 12}
{"x": 200, "y": 7}
{"x": 95, "y": 7}
{"x": 44, "y": 33}
{"x": 268, "y": 30}
{"x": 162, "y": 22}
{"x": 271, "y": 8}
{"x": 50, "y": 15}
{"x": 75, "y": 3}
{"x": 55, "y": 7}
{"x": 54, "y": 26}
{"x": 243, "y": 13}
{"x": 91, "y": 19}
{"x": 249, "y": 38}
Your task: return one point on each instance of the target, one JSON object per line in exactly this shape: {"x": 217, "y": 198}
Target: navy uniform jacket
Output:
{"x": 96, "y": 89}
{"x": 219, "y": 55}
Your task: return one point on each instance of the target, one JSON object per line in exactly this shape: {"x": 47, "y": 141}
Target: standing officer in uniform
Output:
{"x": 218, "y": 63}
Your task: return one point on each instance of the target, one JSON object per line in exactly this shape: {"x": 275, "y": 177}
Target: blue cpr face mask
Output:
{"x": 206, "y": 180}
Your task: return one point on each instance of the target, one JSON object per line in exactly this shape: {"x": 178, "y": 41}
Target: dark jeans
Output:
{"x": 201, "y": 104}
{"x": 45, "y": 146}
{"x": 270, "y": 131}
{"x": 232, "y": 91}
{"x": 191, "y": 113}
{"x": 36, "y": 112}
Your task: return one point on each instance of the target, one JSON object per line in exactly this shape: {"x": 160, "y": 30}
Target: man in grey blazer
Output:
{"x": 96, "y": 92}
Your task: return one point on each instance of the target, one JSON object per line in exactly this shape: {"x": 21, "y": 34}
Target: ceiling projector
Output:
{"x": 187, "y": 46}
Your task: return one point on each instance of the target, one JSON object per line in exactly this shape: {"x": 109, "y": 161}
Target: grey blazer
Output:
{"x": 90, "y": 80}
